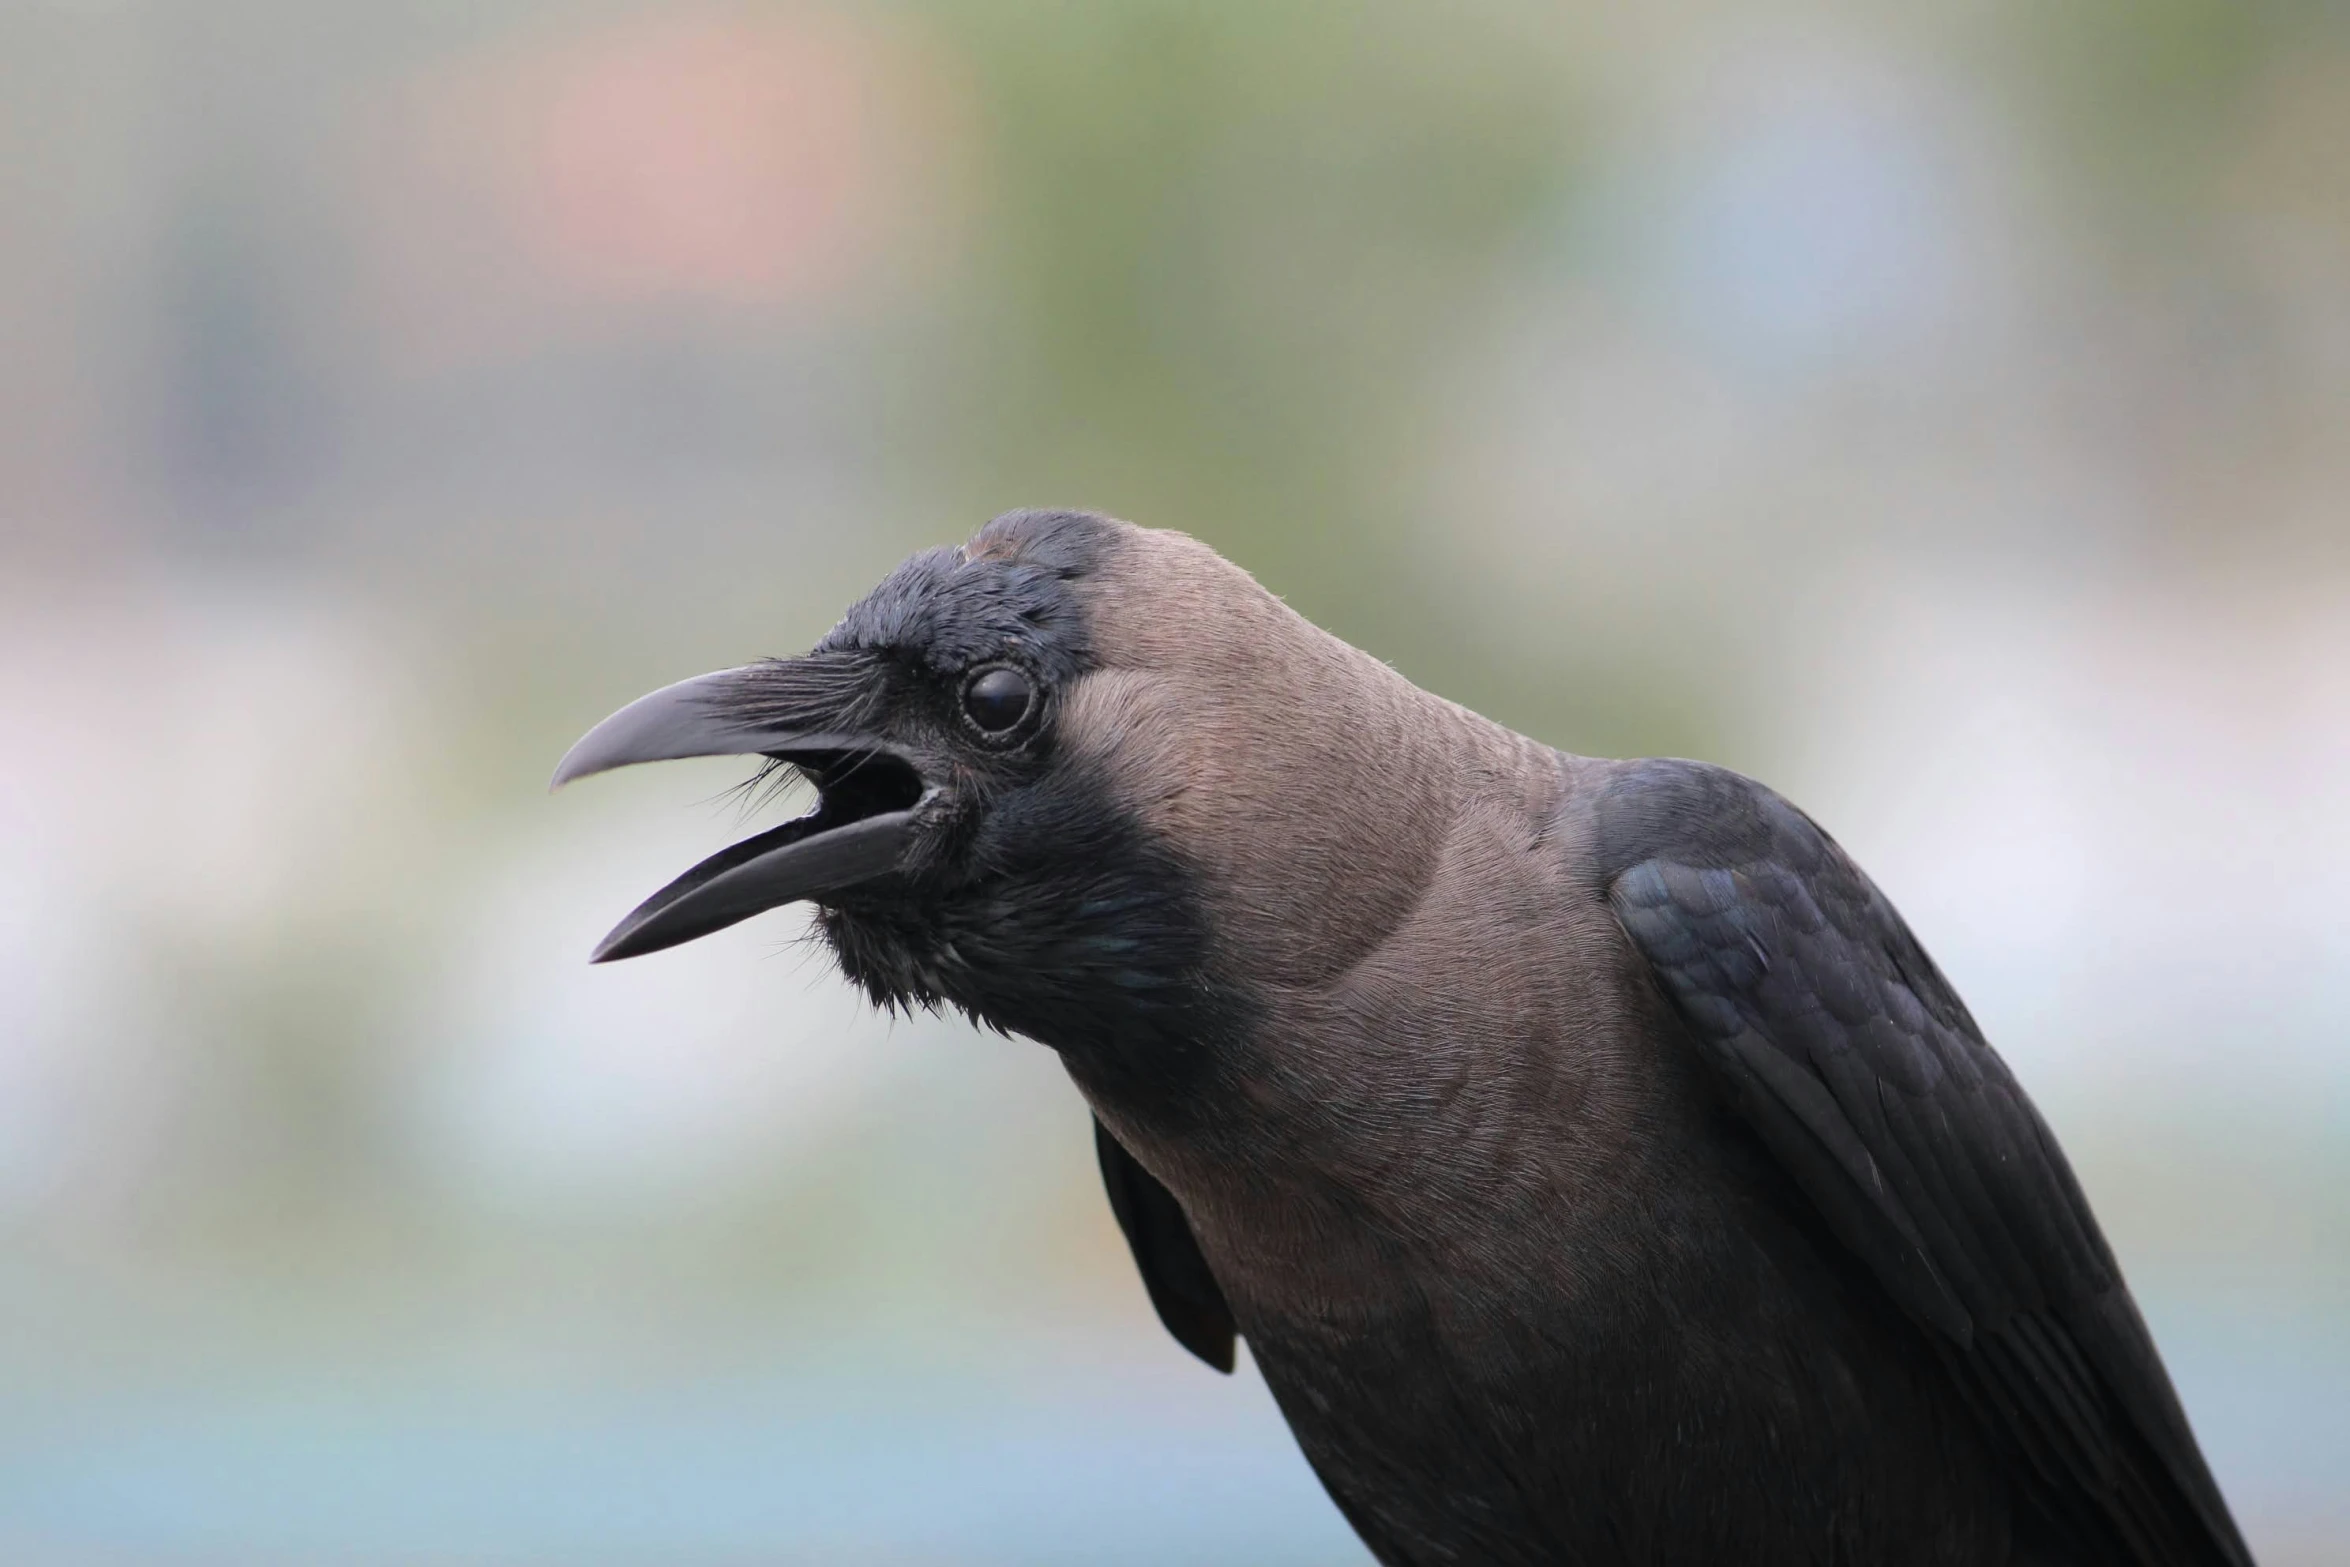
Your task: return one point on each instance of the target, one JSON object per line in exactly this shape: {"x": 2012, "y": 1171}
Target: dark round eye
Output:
{"x": 998, "y": 699}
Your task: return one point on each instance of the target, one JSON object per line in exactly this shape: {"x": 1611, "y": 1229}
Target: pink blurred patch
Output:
{"x": 657, "y": 161}
{"x": 723, "y": 157}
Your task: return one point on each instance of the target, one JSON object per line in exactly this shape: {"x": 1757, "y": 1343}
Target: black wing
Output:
{"x": 1184, "y": 1292}
{"x": 1856, "y": 1063}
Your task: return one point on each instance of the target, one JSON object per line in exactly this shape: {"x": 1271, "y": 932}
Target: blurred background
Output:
{"x": 1941, "y": 412}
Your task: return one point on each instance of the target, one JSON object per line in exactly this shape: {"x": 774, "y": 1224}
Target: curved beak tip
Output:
{"x": 573, "y": 765}
{"x": 689, "y": 718}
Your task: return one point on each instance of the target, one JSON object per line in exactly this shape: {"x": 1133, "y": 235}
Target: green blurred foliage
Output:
{"x": 1225, "y": 246}
{"x": 2150, "y": 94}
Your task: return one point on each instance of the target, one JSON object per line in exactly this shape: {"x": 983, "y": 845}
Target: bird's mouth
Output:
{"x": 870, "y": 797}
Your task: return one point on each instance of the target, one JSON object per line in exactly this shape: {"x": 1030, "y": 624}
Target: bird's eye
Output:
{"x": 998, "y": 699}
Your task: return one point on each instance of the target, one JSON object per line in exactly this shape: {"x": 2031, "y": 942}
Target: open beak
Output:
{"x": 801, "y": 711}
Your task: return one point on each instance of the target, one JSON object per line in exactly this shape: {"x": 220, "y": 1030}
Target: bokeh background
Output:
{"x": 1939, "y": 411}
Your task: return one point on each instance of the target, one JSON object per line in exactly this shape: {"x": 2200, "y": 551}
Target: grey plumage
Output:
{"x": 1595, "y": 1165}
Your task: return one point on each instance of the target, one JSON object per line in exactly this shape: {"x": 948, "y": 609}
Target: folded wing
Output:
{"x": 1854, "y": 1061}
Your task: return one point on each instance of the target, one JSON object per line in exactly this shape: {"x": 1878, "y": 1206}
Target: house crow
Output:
{"x": 1597, "y": 1167}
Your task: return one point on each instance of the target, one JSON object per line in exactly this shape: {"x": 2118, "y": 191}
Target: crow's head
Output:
{"x": 1085, "y": 781}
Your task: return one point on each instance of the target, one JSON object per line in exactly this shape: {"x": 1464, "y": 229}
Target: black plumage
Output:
{"x": 1182, "y": 1289}
{"x": 1595, "y": 1164}
{"x": 1856, "y": 1063}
